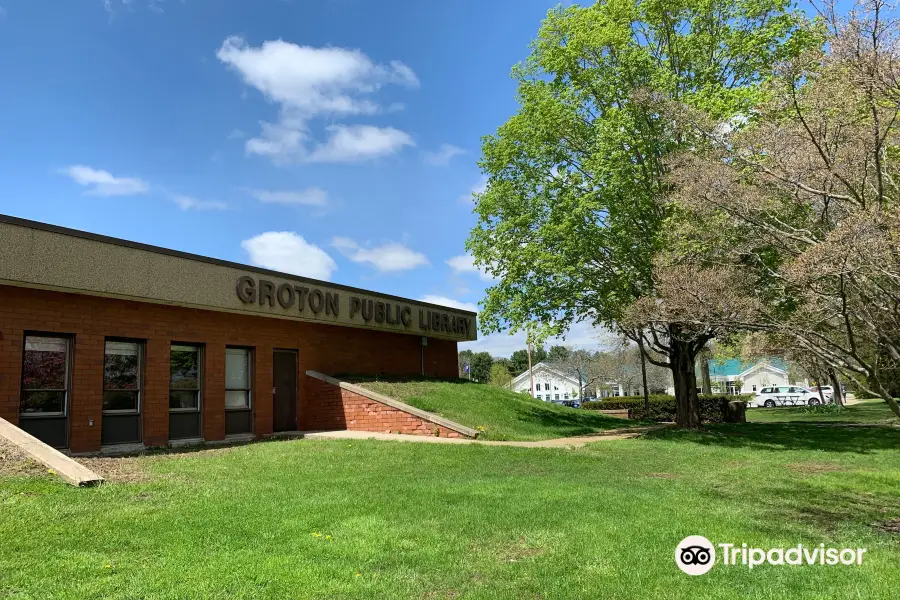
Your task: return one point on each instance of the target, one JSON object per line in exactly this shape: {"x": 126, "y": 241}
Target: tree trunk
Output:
{"x": 875, "y": 385}
{"x": 704, "y": 372}
{"x": 822, "y": 395}
{"x": 687, "y": 403}
{"x": 644, "y": 375}
{"x": 838, "y": 395}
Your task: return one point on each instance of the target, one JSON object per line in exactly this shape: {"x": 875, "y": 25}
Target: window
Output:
{"x": 184, "y": 378}
{"x": 45, "y": 375}
{"x": 121, "y": 376}
{"x": 539, "y": 397}
{"x": 555, "y": 388}
{"x": 557, "y": 397}
{"x": 546, "y": 387}
{"x": 754, "y": 388}
{"x": 237, "y": 378}
{"x": 565, "y": 396}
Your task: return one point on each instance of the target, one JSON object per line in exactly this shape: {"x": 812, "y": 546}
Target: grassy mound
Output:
{"x": 504, "y": 415}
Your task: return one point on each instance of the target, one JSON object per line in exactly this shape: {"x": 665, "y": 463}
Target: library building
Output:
{"x": 106, "y": 342}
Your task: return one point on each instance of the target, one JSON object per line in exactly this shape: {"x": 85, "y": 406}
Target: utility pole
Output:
{"x": 530, "y": 370}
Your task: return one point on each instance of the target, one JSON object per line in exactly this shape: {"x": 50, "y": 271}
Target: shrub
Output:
{"x": 662, "y": 407}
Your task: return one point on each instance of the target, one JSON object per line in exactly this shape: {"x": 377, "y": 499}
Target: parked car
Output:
{"x": 785, "y": 395}
{"x": 827, "y": 391}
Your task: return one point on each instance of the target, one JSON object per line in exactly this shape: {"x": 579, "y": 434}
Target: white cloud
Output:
{"x": 442, "y": 156}
{"x": 465, "y": 264}
{"x": 311, "y": 196}
{"x": 444, "y": 301}
{"x": 281, "y": 142}
{"x": 308, "y": 83}
{"x": 359, "y": 142}
{"x": 288, "y": 252}
{"x": 313, "y": 80}
{"x": 191, "y": 203}
{"x": 582, "y": 335}
{"x": 388, "y": 257}
{"x": 237, "y": 134}
{"x": 104, "y": 183}
{"x": 478, "y": 188}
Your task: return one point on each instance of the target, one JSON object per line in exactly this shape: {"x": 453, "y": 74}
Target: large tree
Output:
{"x": 806, "y": 195}
{"x": 573, "y": 214}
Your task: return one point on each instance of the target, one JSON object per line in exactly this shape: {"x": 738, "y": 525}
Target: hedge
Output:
{"x": 713, "y": 408}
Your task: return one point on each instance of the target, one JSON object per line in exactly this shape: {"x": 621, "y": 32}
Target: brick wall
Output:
{"x": 344, "y": 409}
{"x": 326, "y": 348}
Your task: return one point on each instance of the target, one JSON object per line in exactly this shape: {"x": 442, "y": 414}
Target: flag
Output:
{"x": 466, "y": 370}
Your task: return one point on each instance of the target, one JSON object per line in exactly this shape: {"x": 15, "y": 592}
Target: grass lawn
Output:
{"x": 339, "y": 520}
{"x": 504, "y": 415}
{"x": 867, "y": 411}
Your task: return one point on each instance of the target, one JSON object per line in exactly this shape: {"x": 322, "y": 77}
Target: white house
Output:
{"x": 737, "y": 377}
{"x": 549, "y": 384}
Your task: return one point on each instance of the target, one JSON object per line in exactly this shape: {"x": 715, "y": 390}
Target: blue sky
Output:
{"x": 336, "y": 139}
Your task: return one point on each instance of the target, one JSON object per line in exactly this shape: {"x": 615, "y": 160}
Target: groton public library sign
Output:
{"x": 49, "y": 257}
{"x": 359, "y": 308}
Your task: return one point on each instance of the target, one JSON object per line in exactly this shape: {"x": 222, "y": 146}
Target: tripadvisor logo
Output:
{"x": 696, "y": 555}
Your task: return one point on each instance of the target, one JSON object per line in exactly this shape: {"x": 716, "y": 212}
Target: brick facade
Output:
{"x": 343, "y": 409}
{"x": 90, "y": 320}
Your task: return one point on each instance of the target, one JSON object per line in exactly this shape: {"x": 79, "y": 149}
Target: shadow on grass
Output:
{"x": 789, "y": 507}
{"x": 858, "y": 439}
{"x": 578, "y": 422}
{"x": 204, "y": 447}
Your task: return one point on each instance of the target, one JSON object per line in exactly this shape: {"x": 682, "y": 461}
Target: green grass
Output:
{"x": 867, "y": 411}
{"x": 504, "y": 415}
{"x": 420, "y": 521}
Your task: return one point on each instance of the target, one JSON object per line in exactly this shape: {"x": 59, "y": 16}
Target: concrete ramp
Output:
{"x": 70, "y": 470}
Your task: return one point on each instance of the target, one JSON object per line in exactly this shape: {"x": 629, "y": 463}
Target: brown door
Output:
{"x": 285, "y": 393}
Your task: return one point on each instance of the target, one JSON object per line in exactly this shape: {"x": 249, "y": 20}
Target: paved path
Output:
{"x": 568, "y": 442}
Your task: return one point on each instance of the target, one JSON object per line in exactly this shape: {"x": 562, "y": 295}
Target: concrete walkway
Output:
{"x": 568, "y": 442}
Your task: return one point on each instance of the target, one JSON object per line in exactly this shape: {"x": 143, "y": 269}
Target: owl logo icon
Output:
{"x": 695, "y": 555}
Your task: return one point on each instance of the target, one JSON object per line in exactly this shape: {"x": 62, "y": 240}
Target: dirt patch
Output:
{"x": 134, "y": 469}
{"x": 129, "y": 469}
{"x": 119, "y": 469}
{"x": 15, "y": 462}
{"x": 662, "y": 475}
{"x": 519, "y": 551}
{"x": 892, "y": 526}
{"x": 815, "y": 468}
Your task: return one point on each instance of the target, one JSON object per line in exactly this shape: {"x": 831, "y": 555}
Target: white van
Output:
{"x": 784, "y": 395}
